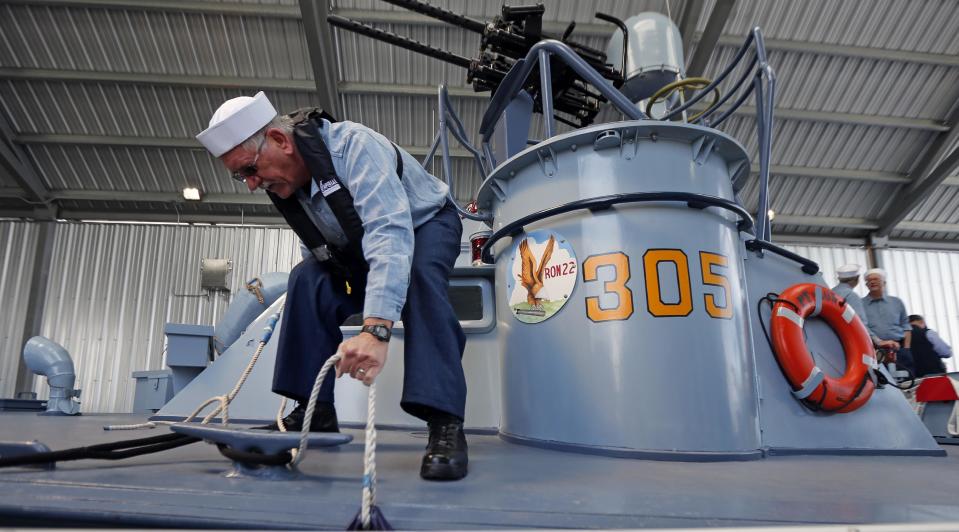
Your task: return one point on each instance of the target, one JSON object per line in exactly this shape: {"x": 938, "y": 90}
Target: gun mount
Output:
{"x": 505, "y": 40}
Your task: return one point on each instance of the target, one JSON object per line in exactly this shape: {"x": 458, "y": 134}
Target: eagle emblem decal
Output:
{"x": 543, "y": 274}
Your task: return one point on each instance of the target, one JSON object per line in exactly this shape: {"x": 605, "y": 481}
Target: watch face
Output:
{"x": 379, "y": 331}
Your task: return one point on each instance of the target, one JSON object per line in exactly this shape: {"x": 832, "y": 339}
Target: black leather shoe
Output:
{"x": 446, "y": 454}
{"x": 324, "y": 419}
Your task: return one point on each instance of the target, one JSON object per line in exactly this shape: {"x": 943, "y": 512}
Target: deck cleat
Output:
{"x": 257, "y": 453}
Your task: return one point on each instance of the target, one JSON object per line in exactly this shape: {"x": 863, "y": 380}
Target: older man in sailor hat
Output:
{"x": 381, "y": 238}
{"x": 848, "y": 276}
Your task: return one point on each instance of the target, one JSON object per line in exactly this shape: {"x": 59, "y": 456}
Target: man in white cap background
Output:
{"x": 887, "y": 316}
{"x": 848, "y": 275}
{"x": 380, "y": 238}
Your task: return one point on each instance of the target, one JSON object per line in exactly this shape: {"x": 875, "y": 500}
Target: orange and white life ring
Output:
{"x": 810, "y": 384}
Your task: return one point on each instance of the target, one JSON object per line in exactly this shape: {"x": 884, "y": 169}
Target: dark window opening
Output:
{"x": 467, "y": 301}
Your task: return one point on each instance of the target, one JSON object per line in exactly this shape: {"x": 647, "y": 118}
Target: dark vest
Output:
{"x": 926, "y": 360}
{"x": 345, "y": 261}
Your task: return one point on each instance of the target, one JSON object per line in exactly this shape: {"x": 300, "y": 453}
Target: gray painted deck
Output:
{"x": 508, "y": 486}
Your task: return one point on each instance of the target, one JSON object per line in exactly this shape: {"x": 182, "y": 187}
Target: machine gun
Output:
{"x": 505, "y": 40}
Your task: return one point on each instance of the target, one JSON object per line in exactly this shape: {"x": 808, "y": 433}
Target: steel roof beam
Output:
{"x": 143, "y": 196}
{"x": 688, "y": 22}
{"x": 834, "y": 173}
{"x": 319, "y": 42}
{"x": 19, "y": 165}
{"x": 218, "y": 82}
{"x": 710, "y": 38}
{"x": 163, "y": 142}
{"x": 861, "y": 223}
{"x": 930, "y": 227}
{"x": 801, "y": 239}
{"x": 168, "y": 216}
{"x": 406, "y": 17}
{"x": 850, "y": 118}
{"x": 824, "y": 221}
{"x": 107, "y": 140}
{"x": 175, "y": 6}
{"x": 242, "y": 199}
{"x": 841, "y": 50}
{"x": 932, "y": 170}
{"x": 206, "y": 82}
{"x": 35, "y": 213}
{"x": 419, "y": 151}
{"x": 156, "y": 216}
{"x": 825, "y": 240}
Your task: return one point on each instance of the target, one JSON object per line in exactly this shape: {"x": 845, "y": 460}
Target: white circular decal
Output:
{"x": 542, "y": 276}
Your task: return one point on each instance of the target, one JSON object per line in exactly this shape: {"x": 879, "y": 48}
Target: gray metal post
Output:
{"x": 319, "y": 42}
{"x": 872, "y": 250}
{"x": 546, "y": 82}
{"x": 35, "y": 303}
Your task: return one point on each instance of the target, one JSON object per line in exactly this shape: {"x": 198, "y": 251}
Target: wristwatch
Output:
{"x": 380, "y": 332}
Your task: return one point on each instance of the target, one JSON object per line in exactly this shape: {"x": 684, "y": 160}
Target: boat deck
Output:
{"x": 509, "y": 486}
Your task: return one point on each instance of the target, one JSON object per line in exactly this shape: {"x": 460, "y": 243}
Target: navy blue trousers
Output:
{"x": 317, "y": 303}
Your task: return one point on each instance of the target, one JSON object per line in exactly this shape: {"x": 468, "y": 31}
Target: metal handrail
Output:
{"x": 695, "y": 201}
{"x": 764, "y": 88}
{"x": 442, "y": 140}
{"x": 809, "y": 266}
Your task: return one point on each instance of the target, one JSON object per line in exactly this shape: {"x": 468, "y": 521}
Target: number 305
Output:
{"x": 619, "y": 262}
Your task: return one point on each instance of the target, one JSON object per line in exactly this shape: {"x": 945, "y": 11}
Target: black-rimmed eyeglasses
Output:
{"x": 249, "y": 170}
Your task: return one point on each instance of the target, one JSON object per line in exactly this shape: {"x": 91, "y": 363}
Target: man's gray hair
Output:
{"x": 281, "y": 122}
{"x": 876, "y": 271}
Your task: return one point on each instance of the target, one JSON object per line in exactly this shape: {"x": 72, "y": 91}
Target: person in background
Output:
{"x": 887, "y": 317}
{"x": 848, "y": 275}
{"x": 928, "y": 348}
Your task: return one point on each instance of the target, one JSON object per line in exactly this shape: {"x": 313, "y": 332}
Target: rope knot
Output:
{"x": 254, "y": 286}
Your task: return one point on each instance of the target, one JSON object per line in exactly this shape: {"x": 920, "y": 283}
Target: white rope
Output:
{"x": 369, "y": 453}
{"x": 279, "y": 416}
{"x": 369, "y": 459}
{"x": 311, "y": 406}
{"x": 138, "y": 426}
{"x": 223, "y": 400}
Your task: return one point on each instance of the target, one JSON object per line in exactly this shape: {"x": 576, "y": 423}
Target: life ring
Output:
{"x": 810, "y": 384}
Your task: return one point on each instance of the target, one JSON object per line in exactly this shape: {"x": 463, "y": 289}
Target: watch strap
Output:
{"x": 379, "y": 331}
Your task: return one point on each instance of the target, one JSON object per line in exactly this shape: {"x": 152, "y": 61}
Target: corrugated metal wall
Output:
{"x": 830, "y": 258}
{"x": 18, "y": 241}
{"x": 928, "y": 283}
{"x": 113, "y": 287}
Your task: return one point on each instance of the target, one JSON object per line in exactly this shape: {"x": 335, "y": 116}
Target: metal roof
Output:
{"x": 100, "y": 99}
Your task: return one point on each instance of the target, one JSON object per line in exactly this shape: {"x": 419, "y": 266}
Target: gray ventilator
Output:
{"x": 48, "y": 358}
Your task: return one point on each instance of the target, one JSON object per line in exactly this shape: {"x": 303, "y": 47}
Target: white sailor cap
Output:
{"x": 235, "y": 121}
{"x": 848, "y": 271}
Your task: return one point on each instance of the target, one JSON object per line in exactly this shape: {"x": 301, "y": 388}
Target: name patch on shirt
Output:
{"x": 328, "y": 187}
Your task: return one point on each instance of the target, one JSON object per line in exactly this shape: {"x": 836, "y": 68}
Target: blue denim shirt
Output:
{"x": 389, "y": 208}
{"x": 887, "y": 317}
{"x": 938, "y": 344}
